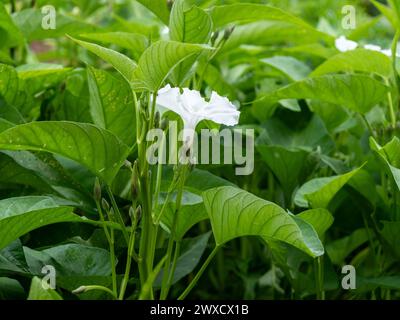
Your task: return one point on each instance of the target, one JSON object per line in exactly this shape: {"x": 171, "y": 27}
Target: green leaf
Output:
{"x": 11, "y": 289}
{"x": 157, "y": 62}
{"x": 189, "y": 23}
{"x": 30, "y": 20}
{"x": 290, "y": 67}
{"x": 388, "y": 12}
{"x": 249, "y": 12}
{"x": 97, "y": 149}
{"x": 339, "y": 249}
{"x": 72, "y": 101}
{"x": 124, "y": 65}
{"x": 390, "y": 232}
{"x": 288, "y": 165}
{"x": 111, "y": 105}
{"x": 28, "y": 71}
{"x": 12, "y": 173}
{"x": 236, "y": 213}
{"x": 320, "y": 219}
{"x": 136, "y": 43}
{"x": 389, "y": 154}
{"x": 19, "y": 101}
{"x": 270, "y": 33}
{"x": 192, "y": 250}
{"x": 359, "y": 93}
{"x": 37, "y": 292}
{"x": 41, "y": 169}
{"x": 288, "y": 153}
{"x": 359, "y": 60}
{"x": 19, "y": 223}
{"x": 71, "y": 260}
{"x": 189, "y": 215}
{"x": 10, "y": 34}
{"x": 158, "y": 7}
{"x": 384, "y": 282}
{"x": 317, "y": 193}
{"x": 12, "y": 259}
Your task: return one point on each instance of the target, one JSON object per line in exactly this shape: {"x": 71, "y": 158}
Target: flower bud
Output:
{"x": 157, "y": 120}
{"x": 164, "y": 124}
{"x": 228, "y": 32}
{"x": 80, "y": 290}
{"x": 97, "y": 190}
{"x": 138, "y": 213}
{"x": 111, "y": 215}
{"x": 105, "y": 205}
{"x": 214, "y": 37}
{"x": 134, "y": 180}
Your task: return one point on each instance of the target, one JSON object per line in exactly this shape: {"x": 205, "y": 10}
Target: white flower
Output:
{"x": 373, "y": 47}
{"x": 388, "y": 53}
{"x": 193, "y": 108}
{"x": 343, "y": 44}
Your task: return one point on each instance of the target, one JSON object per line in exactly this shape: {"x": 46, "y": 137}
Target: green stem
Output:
{"x": 131, "y": 249}
{"x": 199, "y": 274}
{"x": 319, "y": 276}
{"x": 113, "y": 262}
{"x": 370, "y": 240}
{"x": 166, "y": 275}
{"x": 118, "y": 214}
{"x": 110, "y": 239}
{"x": 100, "y": 288}
{"x": 370, "y": 129}
{"x": 391, "y": 106}
{"x": 174, "y": 263}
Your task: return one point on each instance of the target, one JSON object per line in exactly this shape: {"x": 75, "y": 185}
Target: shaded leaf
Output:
{"x": 236, "y": 213}
{"x": 97, "y": 149}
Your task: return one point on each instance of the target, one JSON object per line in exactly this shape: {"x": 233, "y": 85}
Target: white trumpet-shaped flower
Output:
{"x": 193, "y": 108}
{"x": 344, "y": 45}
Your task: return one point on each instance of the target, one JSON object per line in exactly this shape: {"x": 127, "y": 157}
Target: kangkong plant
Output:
{"x": 199, "y": 149}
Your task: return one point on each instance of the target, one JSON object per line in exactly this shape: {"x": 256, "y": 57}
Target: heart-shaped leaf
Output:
{"x": 236, "y": 213}
{"x": 317, "y": 193}
{"x": 159, "y": 60}
{"x": 111, "y": 105}
{"x": 97, "y": 149}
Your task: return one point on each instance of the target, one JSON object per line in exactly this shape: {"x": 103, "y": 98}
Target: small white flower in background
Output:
{"x": 193, "y": 108}
{"x": 344, "y": 45}
{"x": 373, "y": 47}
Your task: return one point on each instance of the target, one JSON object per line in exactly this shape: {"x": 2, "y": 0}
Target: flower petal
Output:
{"x": 221, "y": 110}
{"x": 192, "y": 100}
{"x": 373, "y": 47}
{"x": 171, "y": 99}
{"x": 343, "y": 44}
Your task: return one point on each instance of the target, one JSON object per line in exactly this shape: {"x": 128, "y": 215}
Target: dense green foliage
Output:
{"x": 76, "y": 192}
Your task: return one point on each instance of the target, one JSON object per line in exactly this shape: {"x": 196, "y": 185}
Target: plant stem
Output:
{"x": 118, "y": 214}
{"x": 110, "y": 239}
{"x": 370, "y": 129}
{"x": 319, "y": 276}
{"x": 174, "y": 262}
{"x": 131, "y": 249}
{"x": 391, "y": 106}
{"x": 149, "y": 230}
{"x": 113, "y": 263}
{"x": 199, "y": 274}
{"x": 167, "y": 270}
{"x": 100, "y": 288}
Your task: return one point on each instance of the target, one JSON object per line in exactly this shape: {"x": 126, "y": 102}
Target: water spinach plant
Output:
{"x": 199, "y": 149}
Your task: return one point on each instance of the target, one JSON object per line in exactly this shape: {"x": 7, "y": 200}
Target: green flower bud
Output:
{"x": 97, "y": 190}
